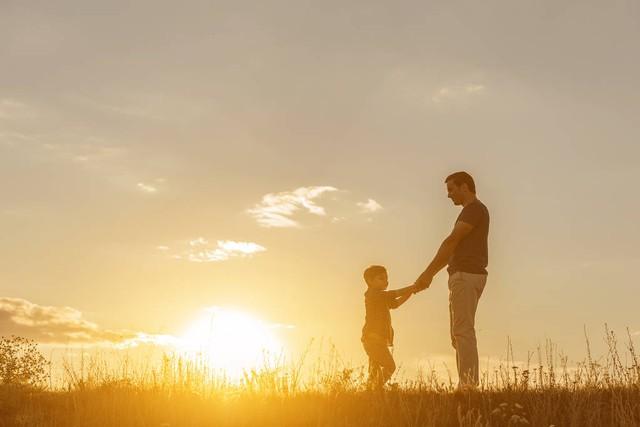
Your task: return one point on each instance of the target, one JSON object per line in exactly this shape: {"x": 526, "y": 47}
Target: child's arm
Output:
{"x": 408, "y": 290}
{"x": 400, "y": 300}
{"x": 400, "y": 296}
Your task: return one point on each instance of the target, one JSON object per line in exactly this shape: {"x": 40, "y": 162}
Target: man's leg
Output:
{"x": 453, "y": 338}
{"x": 465, "y": 290}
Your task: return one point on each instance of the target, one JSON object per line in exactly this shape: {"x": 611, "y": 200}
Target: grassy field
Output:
{"x": 544, "y": 391}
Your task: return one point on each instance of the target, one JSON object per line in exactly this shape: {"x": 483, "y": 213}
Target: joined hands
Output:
{"x": 421, "y": 284}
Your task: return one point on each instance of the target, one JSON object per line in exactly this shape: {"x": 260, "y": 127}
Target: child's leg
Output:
{"x": 375, "y": 373}
{"x": 388, "y": 364}
{"x": 381, "y": 364}
{"x": 375, "y": 370}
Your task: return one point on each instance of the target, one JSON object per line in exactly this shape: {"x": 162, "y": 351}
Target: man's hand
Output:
{"x": 448, "y": 246}
{"x": 422, "y": 283}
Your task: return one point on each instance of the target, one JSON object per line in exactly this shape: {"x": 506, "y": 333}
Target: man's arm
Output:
{"x": 460, "y": 231}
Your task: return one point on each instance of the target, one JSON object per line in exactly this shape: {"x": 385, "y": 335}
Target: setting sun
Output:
{"x": 229, "y": 341}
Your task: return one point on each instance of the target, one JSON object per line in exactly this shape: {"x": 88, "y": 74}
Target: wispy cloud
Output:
{"x": 11, "y": 109}
{"x": 61, "y": 325}
{"x": 143, "y": 106}
{"x": 370, "y": 206}
{"x": 141, "y": 338}
{"x": 65, "y": 325}
{"x": 49, "y": 324}
{"x": 71, "y": 145}
{"x": 450, "y": 93}
{"x": 146, "y": 188}
{"x": 151, "y": 188}
{"x": 278, "y": 209}
{"x": 91, "y": 151}
{"x": 11, "y": 139}
{"x": 285, "y": 209}
{"x": 201, "y": 250}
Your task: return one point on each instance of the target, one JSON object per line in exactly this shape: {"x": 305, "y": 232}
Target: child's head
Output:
{"x": 376, "y": 277}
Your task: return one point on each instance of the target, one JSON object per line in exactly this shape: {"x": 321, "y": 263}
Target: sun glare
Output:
{"x": 230, "y": 341}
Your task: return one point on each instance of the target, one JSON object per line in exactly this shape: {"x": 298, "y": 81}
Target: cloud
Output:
{"x": 450, "y": 93}
{"x": 152, "y": 187}
{"x": 49, "y": 324}
{"x": 69, "y": 144}
{"x": 143, "y": 106}
{"x": 11, "y": 139}
{"x": 152, "y": 339}
{"x": 277, "y": 209}
{"x": 65, "y": 325}
{"x": 283, "y": 209}
{"x": 370, "y": 206}
{"x": 61, "y": 325}
{"x": 200, "y": 250}
{"x": 146, "y": 188}
{"x": 91, "y": 149}
{"x": 14, "y": 110}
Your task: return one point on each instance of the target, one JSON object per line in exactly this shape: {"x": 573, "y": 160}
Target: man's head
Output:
{"x": 460, "y": 188}
{"x": 376, "y": 277}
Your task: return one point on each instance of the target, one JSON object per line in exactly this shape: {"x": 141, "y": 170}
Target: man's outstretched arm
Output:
{"x": 460, "y": 231}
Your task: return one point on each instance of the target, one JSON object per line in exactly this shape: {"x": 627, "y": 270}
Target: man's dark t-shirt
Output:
{"x": 472, "y": 254}
{"x": 378, "y": 318}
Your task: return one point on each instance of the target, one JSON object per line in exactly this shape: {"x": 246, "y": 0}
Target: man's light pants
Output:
{"x": 465, "y": 290}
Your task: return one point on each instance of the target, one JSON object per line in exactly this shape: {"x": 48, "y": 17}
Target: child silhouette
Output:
{"x": 377, "y": 333}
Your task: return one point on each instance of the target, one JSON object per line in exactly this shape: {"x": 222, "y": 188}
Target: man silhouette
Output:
{"x": 465, "y": 250}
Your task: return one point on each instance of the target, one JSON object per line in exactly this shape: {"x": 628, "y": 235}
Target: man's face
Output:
{"x": 380, "y": 281}
{"x": 454, "y": 192}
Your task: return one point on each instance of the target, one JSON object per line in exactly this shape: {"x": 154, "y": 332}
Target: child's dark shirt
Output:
{"x": 377, "y": 325}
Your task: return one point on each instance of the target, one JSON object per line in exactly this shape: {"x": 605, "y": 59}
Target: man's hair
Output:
{"x": 372, "y": 271}
{"x": 460, "y": 178}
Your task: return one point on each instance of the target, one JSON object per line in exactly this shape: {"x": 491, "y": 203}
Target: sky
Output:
{"x": 158, "y": 158}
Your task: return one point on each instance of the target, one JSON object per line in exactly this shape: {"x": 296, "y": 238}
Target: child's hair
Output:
{"x": 372, "y": 271}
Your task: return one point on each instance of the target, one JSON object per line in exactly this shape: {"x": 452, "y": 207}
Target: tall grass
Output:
{"x": 544, "y": 390}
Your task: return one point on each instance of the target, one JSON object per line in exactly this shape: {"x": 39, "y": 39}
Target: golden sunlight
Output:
{"x": 230, "y": 341}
